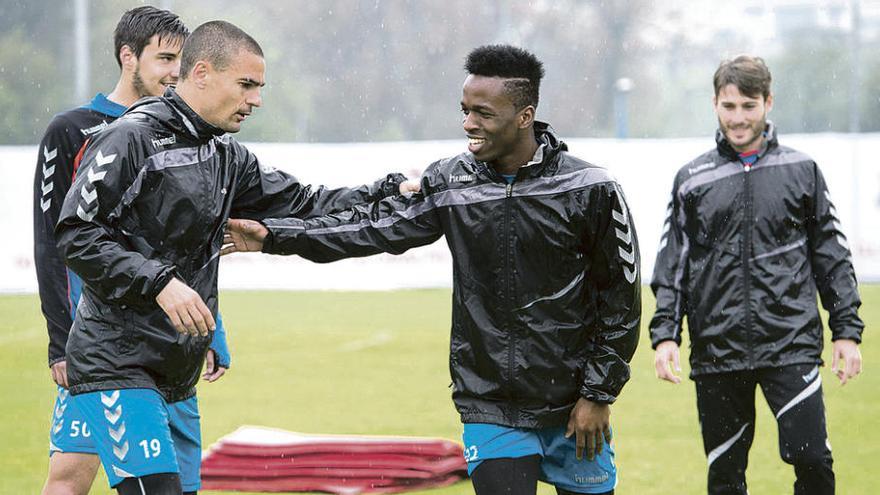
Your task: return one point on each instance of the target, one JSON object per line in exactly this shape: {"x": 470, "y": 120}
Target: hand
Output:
{"x": 185, "y": 308}
{"x": 847, "y": 351}
{"x": 213, "y": 372}
{"x": 408, "y": 187}
{"x": 589, "y": 421}
{"x": 59, "y": 373}
{"x": 666, "y": 353}
{"x": 243, "y": 236}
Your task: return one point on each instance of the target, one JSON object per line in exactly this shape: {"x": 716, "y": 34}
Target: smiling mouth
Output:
{"x": 474, "y": 141}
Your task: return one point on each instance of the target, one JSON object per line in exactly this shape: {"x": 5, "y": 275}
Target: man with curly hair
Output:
{"x": 546, "y": 301}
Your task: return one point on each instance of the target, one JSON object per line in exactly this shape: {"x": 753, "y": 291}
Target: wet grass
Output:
{"x": 376, "y": 363}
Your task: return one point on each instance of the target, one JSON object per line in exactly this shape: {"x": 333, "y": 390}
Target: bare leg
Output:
{"x": 71, "y": 473}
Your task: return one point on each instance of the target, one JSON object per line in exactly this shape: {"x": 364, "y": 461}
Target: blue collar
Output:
{"x": 101, "y": 104}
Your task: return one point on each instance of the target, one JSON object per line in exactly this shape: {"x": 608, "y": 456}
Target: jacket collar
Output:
{"x": 194, "y": 123}
{"x": 174, "y": 113}
{"x": 549, "y": 146}
{"x": 726, "y": 150}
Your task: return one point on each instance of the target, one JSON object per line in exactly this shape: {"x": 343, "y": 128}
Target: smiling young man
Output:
{"x": 142, "y": 226}
{"x": 147, "y": 44}
{"x": 546, "y": 298}
{"x": 751, "y": 235}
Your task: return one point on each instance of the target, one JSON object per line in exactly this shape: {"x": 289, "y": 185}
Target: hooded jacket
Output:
{"x": 149, "y": 203}
{"x": 743, "y": 253}
{"x": 60, "y": 288}
{"x": 546, "y": 301}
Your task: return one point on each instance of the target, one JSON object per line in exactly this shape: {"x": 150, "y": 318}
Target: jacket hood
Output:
{"x": 727, "y": 151}
{"x": 175, "y": 114}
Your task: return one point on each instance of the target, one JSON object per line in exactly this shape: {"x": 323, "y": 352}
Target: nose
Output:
{"x": 468, "y": 122}
{"x": 175, "y": 70}
{"x": 255, "y": 98}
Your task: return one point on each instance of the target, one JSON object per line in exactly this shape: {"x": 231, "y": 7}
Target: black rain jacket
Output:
{"x": 150, "y": 202}
{"x": 546, "y": 301}
{"x": 742, "y": 255}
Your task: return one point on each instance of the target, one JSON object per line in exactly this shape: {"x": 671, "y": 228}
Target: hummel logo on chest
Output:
{"x": 164, "y": 141}
{"x": 462, "y": 178}
{"x": 700, "y": 168}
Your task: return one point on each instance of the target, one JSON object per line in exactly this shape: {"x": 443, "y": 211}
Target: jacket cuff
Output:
{"x": 849, "y": 333}
{"x": 269, "y": 241}
{"x": 663, "y": 334}
{"x": 597, "y": 396}
{"x": 391, "y": 185}
{"x": 161, "y": 281}
{"x": 54, "y": 360}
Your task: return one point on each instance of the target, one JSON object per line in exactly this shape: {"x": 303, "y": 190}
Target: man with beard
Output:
{"x": 142, "y": 225}
{"x": 751, "y": 234}
{"x": 546, "y": 296}
{"x": 147, "y": 43}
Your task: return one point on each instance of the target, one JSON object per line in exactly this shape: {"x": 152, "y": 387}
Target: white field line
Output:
{"x": 379, "y": 338}
{"x": 20, "y": 336}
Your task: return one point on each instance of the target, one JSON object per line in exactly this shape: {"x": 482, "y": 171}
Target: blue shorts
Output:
{"x": 559, "y": 464}
{"x": 133, "y": 431}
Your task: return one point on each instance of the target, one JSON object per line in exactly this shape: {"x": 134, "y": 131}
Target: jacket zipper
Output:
{"x": 511, "y": 331}
{"x": 746, "y": 251}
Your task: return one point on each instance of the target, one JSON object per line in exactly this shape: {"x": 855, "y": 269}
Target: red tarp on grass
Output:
{"x": 269, "y": 460}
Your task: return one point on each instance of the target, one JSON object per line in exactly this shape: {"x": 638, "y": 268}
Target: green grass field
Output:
{"x": 376, "y": 363}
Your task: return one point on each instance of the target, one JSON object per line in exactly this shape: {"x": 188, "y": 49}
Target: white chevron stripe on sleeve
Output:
{"x": 96, "y": 176}
{"x": 86, "y": 217}
{"x": 49, "y": 155}
{"x": 88, "y": 196}
{"x": 627, "y": 256}
{"x": 104, "y": 160}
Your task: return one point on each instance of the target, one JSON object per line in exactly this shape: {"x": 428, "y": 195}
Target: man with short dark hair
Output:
{"x": 147, "y": 43}
{"x": 142, "y": 226}
{"x": 546, "y": 297}
{"x": 751, "y": 234}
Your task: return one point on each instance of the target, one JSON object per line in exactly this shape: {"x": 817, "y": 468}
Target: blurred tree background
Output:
{"x": 377, "y": 70}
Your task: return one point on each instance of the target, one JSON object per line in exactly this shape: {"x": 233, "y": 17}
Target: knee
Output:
{"x": 68, "y": 486}
{"x": 807, "y": 455}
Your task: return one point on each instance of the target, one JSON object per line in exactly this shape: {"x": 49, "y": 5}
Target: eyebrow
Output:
{"x": 168, "y": 54}
{"x": 479, "y": 108}
{"x": 252, "y": 82}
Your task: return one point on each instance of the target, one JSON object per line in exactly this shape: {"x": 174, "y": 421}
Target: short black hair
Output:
{"x": 137, "y": 26}
{"x": 216, "y": 42}
{"x": 749, "y": 74}
{"x": 522, "y": 69}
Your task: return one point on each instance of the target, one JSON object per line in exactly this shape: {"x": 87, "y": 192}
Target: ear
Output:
{"x": 201, "y": 74}
{"x": 768, "y": 104}
{"x": 526, "y": 117}
{"x": 127, "y": 58}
